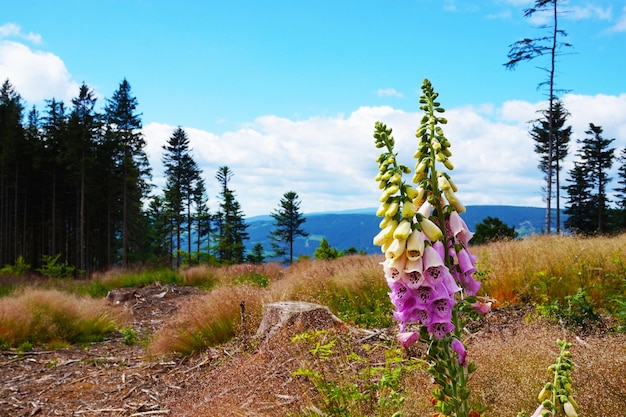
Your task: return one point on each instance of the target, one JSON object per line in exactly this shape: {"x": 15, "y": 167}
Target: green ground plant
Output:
{"x": 353, "y": 383}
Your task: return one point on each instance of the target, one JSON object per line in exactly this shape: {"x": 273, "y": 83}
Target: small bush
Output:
{"x": 20, "y": 268}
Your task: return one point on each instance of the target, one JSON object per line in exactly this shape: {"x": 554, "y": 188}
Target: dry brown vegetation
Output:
{"x": 511, "y": 346}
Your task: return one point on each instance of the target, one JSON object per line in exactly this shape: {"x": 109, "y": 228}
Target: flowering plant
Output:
{"x": 427, "y": 263}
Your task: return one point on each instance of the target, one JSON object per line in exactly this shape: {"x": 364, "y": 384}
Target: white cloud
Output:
{"x": 35, "y": 75}
{"x": 11, "y": 30}
{"x": 330, "y": 161}
{"x": 589, "y": 11}
{"x": 620, "y": 25}
{"x": 388, "y": 92}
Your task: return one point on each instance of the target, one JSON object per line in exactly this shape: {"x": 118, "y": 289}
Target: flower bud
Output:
{"x": 569, "y": 409}
{"x": 443, "y": 183}
{"x": 382, "y": 209}
{"x": 430, "y": 229}
{"x": 392, "y": 209}
{"x": 386, "y": 233}
{"x": 403, "y": 230}
{"x": 408, "y": 210}
{"x": 389, "y": 191}
{"x": 425, "y": 209}
{"x": 454, "y": 201}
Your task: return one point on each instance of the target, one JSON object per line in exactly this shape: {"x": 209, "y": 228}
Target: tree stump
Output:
{"x": 289, "y": 318}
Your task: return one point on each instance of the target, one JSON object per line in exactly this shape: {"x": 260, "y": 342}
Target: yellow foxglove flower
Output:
{"x": 384, "y": 222}
{"x": 396, "y": 248}
{"x": 382, "y": 209}
{"x": 389, "y": 191}
{"x": 415, "y": 245}
{"x": 396, "y": 178}
{"x": 569, "y": 409}
{"x": 443, "y": 182}
{"x": 403, "y": 230}
{"x": 454, "y": 201}
{"x": 408, "y": 210}
{"x": 392, "y": 209}
{"x": 386, "y": 233}
{"x": 411, "y": 192}
{"x": 430, "y": 229}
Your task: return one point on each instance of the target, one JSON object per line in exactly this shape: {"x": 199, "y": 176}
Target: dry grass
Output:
{"x": 519, "y": 271}
{"x": 44, "y": 316}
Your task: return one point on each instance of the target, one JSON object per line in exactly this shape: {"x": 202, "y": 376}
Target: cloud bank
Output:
{"x": 330, "y": 161}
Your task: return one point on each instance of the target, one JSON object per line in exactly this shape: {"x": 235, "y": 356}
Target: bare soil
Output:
{"x": 110, "y": 378}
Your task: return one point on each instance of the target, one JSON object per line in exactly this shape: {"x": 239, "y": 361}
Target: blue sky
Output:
{"x": 286, "y": 92}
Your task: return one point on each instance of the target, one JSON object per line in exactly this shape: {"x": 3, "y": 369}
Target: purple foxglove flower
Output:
{"x": 437, "y": 275}
{"x": 440, "y": 328}
{"x": 441, "y": 308}
{"x": 425, "y": 209}
{"x": 482, "y": 307}
{"x": 465, "y": 261}
{"x": 394, "y": 268}
{"x": 407, "y": 338}
{"x": 424, "y": 295}
{"x": 413, "y": 273}
{"x": 459, "y": 229}
{"x": 538, "y": 411}
{"x": 467, "y": 281}
{"x": 432, "y": 258}
{"x": 459, "y": 348}
{"x": 420, "y": 315}
{"x": 402, "y": 318}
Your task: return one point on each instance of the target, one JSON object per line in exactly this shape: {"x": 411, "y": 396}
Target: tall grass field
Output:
{"x": 568, "y": 286}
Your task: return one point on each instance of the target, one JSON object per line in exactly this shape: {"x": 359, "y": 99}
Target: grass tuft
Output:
{"x": 39, "y": 316}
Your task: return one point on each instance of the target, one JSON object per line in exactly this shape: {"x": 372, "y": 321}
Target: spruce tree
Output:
{"x": 288, "y": 220}
{"x": 550, "y": 157}
{"x": 12, "y": 157}
{"x": 84, "y": 135}
{"x": 131, "y": 170}
{"x": 596, "y": 158}
{"x": 579, "y": 205}
{"x": 620, "y": 193}
{"x": 182, "y": 174}
{"x": 231, "y": 227}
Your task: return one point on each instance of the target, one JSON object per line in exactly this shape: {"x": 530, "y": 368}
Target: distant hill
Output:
{"x": 356, "y": 228}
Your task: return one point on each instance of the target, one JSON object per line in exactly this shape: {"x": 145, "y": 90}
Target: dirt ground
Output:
{"x": 110, "y": 378}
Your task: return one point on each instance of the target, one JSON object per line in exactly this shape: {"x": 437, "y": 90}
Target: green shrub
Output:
{"x": 20, "y": 267}
{"x": 51, "y": 267}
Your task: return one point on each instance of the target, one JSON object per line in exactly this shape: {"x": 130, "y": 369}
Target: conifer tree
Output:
{"x": 131, "y": 170}
{"x": 12, "y": 142}
{"x": 231, "y": 226}
{"x": 579, "y": 205}
{"x": 596, "y": 158}
{"x": 182, "y": 174}
{"x": 529, "y": 49}
{"x": 288, "y": 222}
{"x": 550, "y": 157}
{"x": 620, "y": 192}
{"x": 84, "y": 131}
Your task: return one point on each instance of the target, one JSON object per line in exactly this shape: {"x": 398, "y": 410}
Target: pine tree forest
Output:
{"x": 75, "y": 187}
